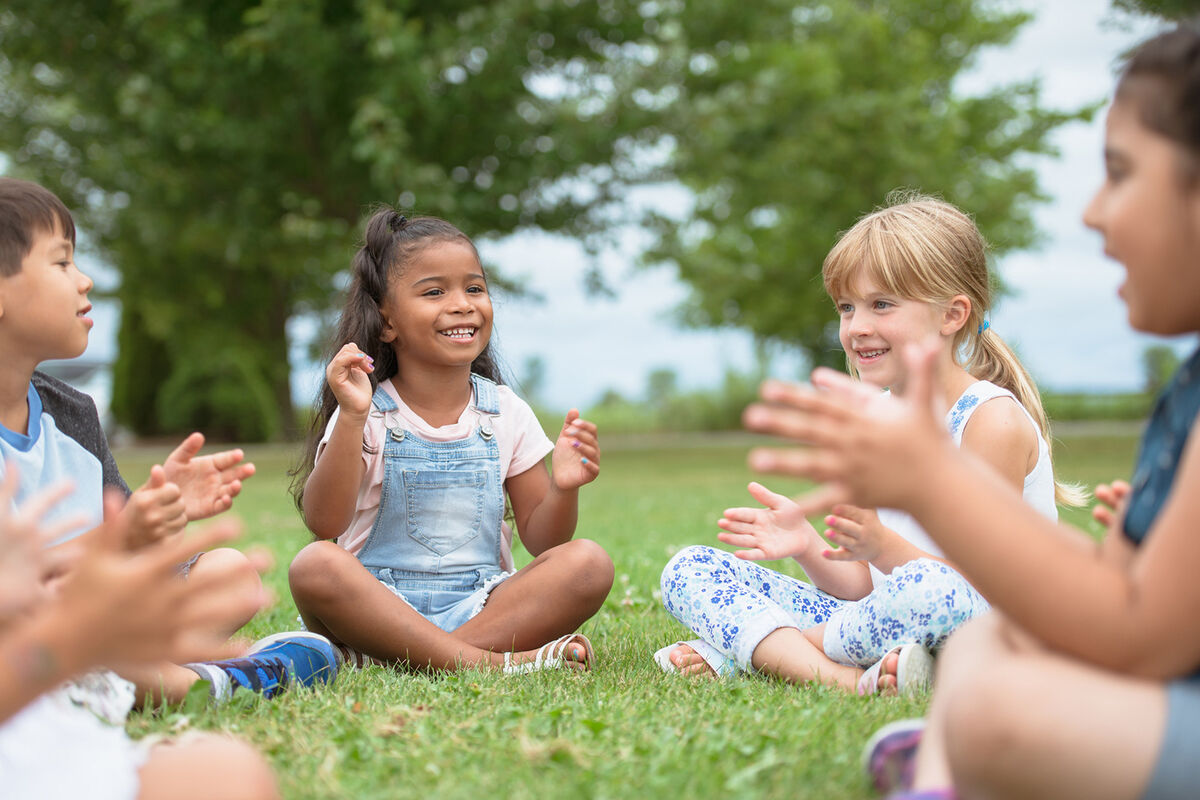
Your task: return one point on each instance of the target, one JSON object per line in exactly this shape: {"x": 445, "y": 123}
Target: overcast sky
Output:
{"x": 1064, "y": 317}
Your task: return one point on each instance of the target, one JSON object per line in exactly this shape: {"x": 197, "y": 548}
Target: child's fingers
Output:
{"x": 752, "y": 554}
{"x": 765, "y": 496}
{"x": 845, "y": 526}
{"x": 737, "y": 528}
{"x": 840, "y": 554}
{"x": 188, "y": 448}
{"x": 737, "y": 539}
{"x": 741, "y": 514}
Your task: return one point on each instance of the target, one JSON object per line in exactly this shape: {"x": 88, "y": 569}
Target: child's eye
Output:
{"x": 844, "y": 308}
{"x": 476, "y": 289}
{"x": 880, "y": 305}
{"x": 433, "y": 293}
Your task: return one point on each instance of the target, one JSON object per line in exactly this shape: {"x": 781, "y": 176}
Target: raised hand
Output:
{"x": 779, "y": 530}
{"x": 347, "y": 378}
{"x": 154, "y": 511}
{"x": 1110, "y": 510}
{"x": 863, "y": 447}
{"x": 208, "y": 483}
{"x": 576, "y": 458}
{"x": 134, "y": 608}
{"x": 857, "y": 533}
{"x": 27, "y": 562}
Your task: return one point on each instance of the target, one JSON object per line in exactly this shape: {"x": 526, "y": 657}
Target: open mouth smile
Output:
{"x": 459, "y": 334}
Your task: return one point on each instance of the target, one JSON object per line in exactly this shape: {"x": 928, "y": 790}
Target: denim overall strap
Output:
{"x": 382, "y": 400}
{"x": 441, "y": 503}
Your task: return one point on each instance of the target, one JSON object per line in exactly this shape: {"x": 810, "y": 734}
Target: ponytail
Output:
{"x": 989, "y": 358}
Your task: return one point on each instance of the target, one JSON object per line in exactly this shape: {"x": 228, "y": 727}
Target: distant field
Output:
{"x": 625, "y": 730}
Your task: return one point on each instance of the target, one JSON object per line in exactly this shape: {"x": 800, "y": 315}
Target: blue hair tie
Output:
{"x": 984, "y": 327}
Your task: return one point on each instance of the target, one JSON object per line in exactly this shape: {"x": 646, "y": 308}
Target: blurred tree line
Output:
{"x": 221, "y": 153}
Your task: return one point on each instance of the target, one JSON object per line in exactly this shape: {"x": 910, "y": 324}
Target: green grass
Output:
{"x": 623, "y": 730}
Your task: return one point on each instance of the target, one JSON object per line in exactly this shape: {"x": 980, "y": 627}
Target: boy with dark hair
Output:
{"x": 51, "y": 433}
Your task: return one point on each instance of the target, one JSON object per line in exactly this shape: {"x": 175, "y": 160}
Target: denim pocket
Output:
{"x": 444, "y": 508}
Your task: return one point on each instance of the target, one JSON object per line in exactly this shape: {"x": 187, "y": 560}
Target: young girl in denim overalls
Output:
{"x": 413, "y": 449}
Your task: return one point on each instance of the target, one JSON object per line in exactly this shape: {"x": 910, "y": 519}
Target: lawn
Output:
{"x": 623, "y": 730}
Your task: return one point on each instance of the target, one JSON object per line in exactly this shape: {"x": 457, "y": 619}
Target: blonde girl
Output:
{"x": 912, "y": 271}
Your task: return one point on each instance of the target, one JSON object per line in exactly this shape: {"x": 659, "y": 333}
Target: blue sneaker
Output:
{"x": 272, "y": 664}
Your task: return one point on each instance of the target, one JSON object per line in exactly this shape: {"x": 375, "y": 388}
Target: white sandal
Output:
{"x": 722, "y": 665}
{"x": 550, "y": 656}
{"x": 914, "y": 670}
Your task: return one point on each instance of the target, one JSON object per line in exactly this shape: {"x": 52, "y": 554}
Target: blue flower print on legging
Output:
{"x": 734, "y": 604}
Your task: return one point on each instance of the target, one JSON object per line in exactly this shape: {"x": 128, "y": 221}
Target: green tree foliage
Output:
{"x": 221, "y": 154}
{"x": 790, "y": 120}
{"x": 1167, "y": 9}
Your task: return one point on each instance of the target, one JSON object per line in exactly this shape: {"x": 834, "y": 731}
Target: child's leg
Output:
{"x": 921, "y": 602}
{"x": 549, "y": 597}
{"x": 169, "y": 682}
{"x": 735, "y": 604}
{"x": 1011, "y": 719}
{"x": 206, "y": 766}
{"x": 338, "y": 598}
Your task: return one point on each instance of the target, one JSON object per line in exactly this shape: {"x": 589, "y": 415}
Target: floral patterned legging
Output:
{"x": 734, "y": 604}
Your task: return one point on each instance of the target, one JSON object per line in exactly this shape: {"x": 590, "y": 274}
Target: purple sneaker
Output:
{"x": 890, "y": 755}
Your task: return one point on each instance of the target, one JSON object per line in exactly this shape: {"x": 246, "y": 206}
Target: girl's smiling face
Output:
{"x": 1148, "y": 211}
{"x": 875, "y": 325}
{"x": 438, "y": 312}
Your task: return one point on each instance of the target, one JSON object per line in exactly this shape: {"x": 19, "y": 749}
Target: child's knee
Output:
{"x": 593, "y": 565}
{"x": 312, "y": 571}
{"x": 686, "y": 563}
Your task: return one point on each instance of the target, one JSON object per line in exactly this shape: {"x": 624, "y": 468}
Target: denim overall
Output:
{"x": 436, "y": 538}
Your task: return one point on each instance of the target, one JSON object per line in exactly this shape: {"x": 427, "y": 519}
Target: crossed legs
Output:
{"x": 550, "y": 597}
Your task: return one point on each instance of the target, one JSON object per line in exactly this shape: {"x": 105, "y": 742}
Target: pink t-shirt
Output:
{"x": 520, "y": 438}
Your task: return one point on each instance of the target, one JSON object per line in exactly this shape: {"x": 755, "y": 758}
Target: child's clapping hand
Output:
{"x": 154, "y": 511}
{"x": 779, "y": 530}
{"x": 27, "y": 562}
{"x": 857, "y": 534}
{"x": 576, "y": 458}
{"x": 208, "y": 483}
{"x": 1109, "y": 511}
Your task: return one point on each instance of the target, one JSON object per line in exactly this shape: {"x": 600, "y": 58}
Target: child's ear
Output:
{"x": 958, "y": 311}
{"x": 387, "y": 331}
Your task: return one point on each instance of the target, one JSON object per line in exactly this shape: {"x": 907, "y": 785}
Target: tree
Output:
{"x": 1167, "y": 9}
{"x": 221, "y": 154}
{"x": 790, "y": 120}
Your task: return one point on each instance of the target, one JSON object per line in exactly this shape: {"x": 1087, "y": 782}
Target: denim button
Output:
{"x": 398, "y": 434}
{"x": 486, "y": 432}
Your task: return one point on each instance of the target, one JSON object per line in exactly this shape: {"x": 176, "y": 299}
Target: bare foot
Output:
{"x": 888, "y": 682}
{"x": 690, "y": 663}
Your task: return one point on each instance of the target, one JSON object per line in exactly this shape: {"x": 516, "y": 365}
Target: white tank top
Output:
{"x": 1038, "y": 490}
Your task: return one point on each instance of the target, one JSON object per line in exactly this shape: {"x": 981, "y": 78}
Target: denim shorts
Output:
{"x": 1175, "y": 773}
{"x": 447, "y": 601}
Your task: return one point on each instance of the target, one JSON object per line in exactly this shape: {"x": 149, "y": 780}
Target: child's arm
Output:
{"x": 113, "y": 609}
{"x": 332, "y": 488}
{"x": 998, "y": 432}
{"x": 546, "y": 507}
{"x": 208, "y": 483}
{"x": 780, "y": 530}
{"x": 1136, "y": 617}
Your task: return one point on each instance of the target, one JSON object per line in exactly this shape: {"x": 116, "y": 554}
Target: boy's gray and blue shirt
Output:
{"x": 64, "y": 442}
